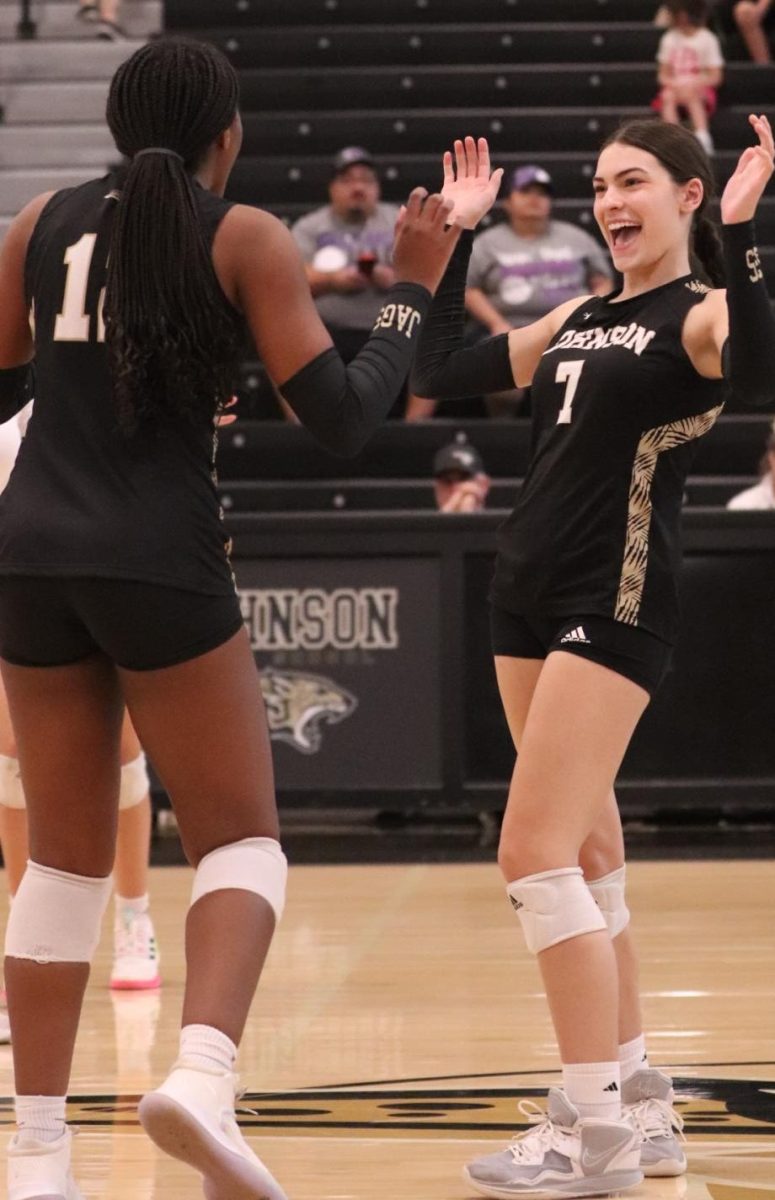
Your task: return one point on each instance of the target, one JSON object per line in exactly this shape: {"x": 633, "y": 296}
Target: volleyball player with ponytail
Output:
{"x": 584, "y": 607}
{"x": 115, "y": 582}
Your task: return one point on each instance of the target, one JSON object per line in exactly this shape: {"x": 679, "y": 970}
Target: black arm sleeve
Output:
{"x": 748, "y": 356}
{"x": 443, "y": 369}
{"x": 342, "y": 406}
{"x": 16, "y": 390}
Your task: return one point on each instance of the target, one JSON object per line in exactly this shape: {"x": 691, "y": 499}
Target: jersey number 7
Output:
{"x": 568, "y": 373}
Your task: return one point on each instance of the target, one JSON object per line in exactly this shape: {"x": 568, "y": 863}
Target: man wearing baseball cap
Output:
{"x": 526, "y": 266}
{"x": 346, "y": 246}
{"x": 460, "y": 482}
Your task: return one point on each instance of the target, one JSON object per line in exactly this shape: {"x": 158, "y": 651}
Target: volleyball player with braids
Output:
{"x": 584, "y": 606}
{"x": 115, "y": 583}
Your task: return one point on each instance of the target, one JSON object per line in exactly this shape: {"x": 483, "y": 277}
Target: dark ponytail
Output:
{"x": 683, "y": 158}
{"x": 172, "y": 339}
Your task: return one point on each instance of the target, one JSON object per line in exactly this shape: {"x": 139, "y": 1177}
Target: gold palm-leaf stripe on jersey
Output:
{"x": 636, "y": 549}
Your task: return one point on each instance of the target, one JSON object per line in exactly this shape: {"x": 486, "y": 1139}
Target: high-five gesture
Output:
{"x": 468, "y": 182}
{"x": 752, "y": 174}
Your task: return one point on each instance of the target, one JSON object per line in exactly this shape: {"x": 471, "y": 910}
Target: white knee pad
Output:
{"x": 55, "y": 916}
{"x": 11, "y": 790}
{"x": 554, "y": 906}
{"x": 254, "y": 865}
{"x": 608, "y": 891}
{"x": 134, "y": 782}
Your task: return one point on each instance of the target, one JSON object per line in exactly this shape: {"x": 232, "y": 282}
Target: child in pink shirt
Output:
{"x": 691, "y": 67}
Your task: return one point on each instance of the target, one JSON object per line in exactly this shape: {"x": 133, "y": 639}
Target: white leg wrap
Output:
{"x": 554, "y": 906}
{"x": 134, "y": 783}
{"x": 254, "y": 865}
{"x": 608, "y": 891}
{"x": 11, "y": 790}
{"x": 55, "y": 916}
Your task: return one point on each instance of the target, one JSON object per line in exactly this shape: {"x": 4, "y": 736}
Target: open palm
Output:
{"x": 468, "y": 183}
{"x": 751, "y": 176}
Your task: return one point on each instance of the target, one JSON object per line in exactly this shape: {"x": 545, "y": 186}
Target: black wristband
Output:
{"x": 748, "y": 359}
{"x": 16, "y": 389}
{"x": 342, "y": 406}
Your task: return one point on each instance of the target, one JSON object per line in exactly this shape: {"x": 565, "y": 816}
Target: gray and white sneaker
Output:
{"x": 41, "y": 1169}
{"x": 647, "y": 1100}
{"x": 565, "y": 1155}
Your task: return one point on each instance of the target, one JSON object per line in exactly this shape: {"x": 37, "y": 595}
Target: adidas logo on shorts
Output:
{"x": 576, "y": 635}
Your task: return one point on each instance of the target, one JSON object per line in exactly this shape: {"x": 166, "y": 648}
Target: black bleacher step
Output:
{"x": 416, "y": 132}
{"x": 623, "y": 84}
{"x": 327, "y": 46}
{"x": 203, "y": 14}
{"x": 348, "y": 495}
{"x": 578, "y": 212}
{"x": 266, "y": 450}
{"x": 304, "y": 178}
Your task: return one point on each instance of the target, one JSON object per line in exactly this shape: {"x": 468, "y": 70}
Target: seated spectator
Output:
{"x": 523, "y": 268}
{"x": 460, "y": 481}
{"x": 762, "y": 494}
{"x": 752, "y": 18}
{"x": 691, "y": 68}
{"x": 347, "y": 246}
{"x": 103, "y": 15}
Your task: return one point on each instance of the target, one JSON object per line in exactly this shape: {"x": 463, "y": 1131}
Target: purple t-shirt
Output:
{"x": 525, "y": 278}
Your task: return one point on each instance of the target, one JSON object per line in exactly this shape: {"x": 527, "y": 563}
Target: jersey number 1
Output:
{"x": 73, "y": 322}
{"x": 568, "y": 373}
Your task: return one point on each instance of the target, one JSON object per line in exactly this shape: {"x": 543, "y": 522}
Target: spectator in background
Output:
{"x": 762, "y": 494}
{"x": 526, "y": 266}
{"x": 347, "y": 247}
{"x": 103, "y": 15}
{"x": 752, "y": 18}
{"x": 691, "y": 68}
{"x": 460, "y": 481}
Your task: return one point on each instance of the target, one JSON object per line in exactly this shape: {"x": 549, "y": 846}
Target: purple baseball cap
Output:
{"x": 351, "y": 156}
{"x": 529, "y": 176}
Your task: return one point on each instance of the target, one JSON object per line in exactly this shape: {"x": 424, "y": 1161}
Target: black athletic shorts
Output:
{"x": 47, "y": 622}
{"x": 632, "y": 652}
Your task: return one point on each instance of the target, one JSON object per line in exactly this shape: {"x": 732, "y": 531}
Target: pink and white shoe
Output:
{"x": 135, "y": 953}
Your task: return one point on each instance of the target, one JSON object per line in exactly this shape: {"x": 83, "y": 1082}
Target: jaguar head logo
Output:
{"x": 298, "y": 705}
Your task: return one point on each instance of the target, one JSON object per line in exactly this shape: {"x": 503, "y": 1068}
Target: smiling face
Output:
{"x": 644, "y": 215}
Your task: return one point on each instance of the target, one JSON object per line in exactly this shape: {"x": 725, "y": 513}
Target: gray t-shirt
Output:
{"x": 524, "y": 278}
{"x": 328, "y": 243}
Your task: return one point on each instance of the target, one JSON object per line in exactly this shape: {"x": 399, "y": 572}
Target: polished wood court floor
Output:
{"x": 400, "y": 1021}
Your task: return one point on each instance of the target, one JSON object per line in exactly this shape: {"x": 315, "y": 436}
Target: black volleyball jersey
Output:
{"x": 618, "y": 410}
{"x": 83, "y": 498}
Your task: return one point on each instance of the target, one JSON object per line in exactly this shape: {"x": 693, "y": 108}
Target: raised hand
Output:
{"x": 468, "y": 182}
{"x": 752, "y": 174}
{"x": 425, "y": 238}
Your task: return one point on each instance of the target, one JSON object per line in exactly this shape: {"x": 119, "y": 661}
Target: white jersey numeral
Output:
{"x": 568, "y": 373}
{"x": 73, "y": 322}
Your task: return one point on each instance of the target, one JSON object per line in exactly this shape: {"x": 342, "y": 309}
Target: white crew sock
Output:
{"x": 633, "y": 1057}
{"x": 40, "y": 1118}
{"x": 594, "y": 1089}
{"x": 136, "y": 905}
{"x": 204, "y": 1046}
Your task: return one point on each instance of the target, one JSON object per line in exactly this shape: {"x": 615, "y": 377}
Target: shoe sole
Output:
{"x": 666, "y": 1169}
{"x": 135, "y": 985}
{"x": 602, "y": 1186}
{"x": 227, "y": 1176}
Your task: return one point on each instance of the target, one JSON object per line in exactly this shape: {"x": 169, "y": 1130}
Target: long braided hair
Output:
{"x": 172, "y": 338}
{"x": 683, "y": 158}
